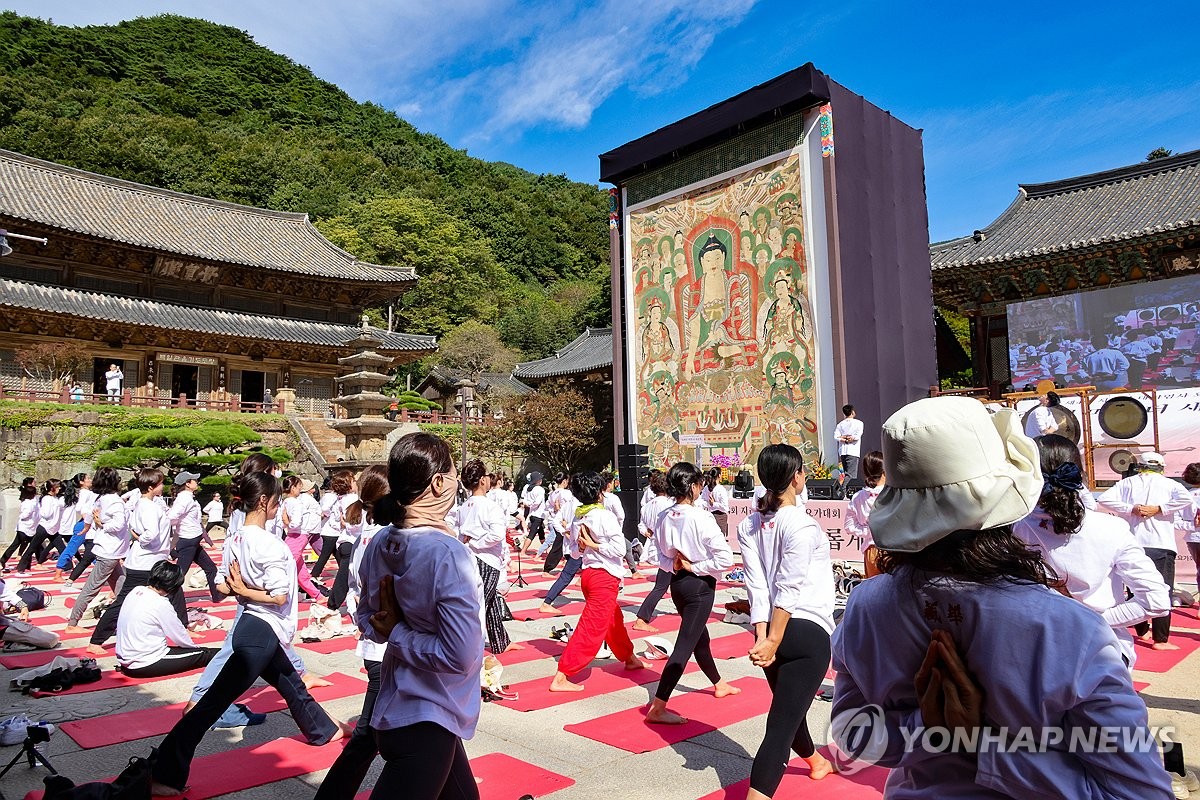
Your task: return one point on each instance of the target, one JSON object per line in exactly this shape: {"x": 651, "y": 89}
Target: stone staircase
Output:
{"x": 326, "y": 445}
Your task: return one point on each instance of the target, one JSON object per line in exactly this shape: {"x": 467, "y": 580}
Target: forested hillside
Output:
{"x": 201, "y": 108}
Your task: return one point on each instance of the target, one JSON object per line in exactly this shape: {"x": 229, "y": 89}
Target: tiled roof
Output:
{"x": 171, "y": 222}
{"x": 1120, "y": 204}
{"x": 590, "y": 352}
{"x": 112, "y": 308}
{"x": 498, "y": 382}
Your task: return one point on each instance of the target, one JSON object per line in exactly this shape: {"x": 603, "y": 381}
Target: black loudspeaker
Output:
{"x": 822, "y": 489}
{"x": 633, "y": 464}
{"x": 743, "y": 485}
{"x": 630, "y": 503}
{"x": 853, "y": 487}
{"x": 633, "y": 455}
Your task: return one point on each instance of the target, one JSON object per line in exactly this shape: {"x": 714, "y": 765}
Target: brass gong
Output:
{"x": 1068, "y": 424}
{"x": 1123, "y": 417}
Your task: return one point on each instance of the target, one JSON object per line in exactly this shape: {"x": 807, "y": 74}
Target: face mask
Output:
{"x": 277, "y": 472}
{"x": 432, "y": 506}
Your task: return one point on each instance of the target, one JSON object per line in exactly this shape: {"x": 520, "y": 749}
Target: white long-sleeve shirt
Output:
{"x": 1098, "y": 563}
{"x": 147, "y": 627}
{"x": 1039, "y": 422}
{"x": 67, "y": 520}
{"x": 613, "y": 504}
{"x": 367, "y": 649}
{"x": 715, "y": 500}
{"x": 153, "y": 543}
{"x": 348, "y": 532}
{"x": 111, "y": 539}
{"x": 214, "y": 511}
{"x": 27, "y": 523}
{"x": 481, "y": 526}
{"x": 787, "y": 562}
{"x": 330, "y": 525}
{"x": 1185, "y": 519}
{"x": 83, "y": 509}
{"x": 605, "y": 531}
{"x": 50, "y": 509}
{"x": 851, "y": 427}
{"x": 535, "y": 501}
{"x": 184, "y": 516}
{"x": 691, "y": 532}
{"x": 858, "y": 514}
{"x": 651, "y": 511}
{"x": 1149, "y": 489}
{"x": 266, "y": 564}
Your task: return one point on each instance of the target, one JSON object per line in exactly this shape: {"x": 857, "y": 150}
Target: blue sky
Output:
{"x": 1019, "y": 93}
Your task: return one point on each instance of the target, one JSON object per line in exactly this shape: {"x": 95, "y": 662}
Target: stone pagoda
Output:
{"x": 364, "y": 427}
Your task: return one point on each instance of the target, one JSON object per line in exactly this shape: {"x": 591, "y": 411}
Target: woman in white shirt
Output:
{"x": 789, "y": 577}
{"x": 1187, "y": 520}
{"x": 110, "y": 543}
{"x": 596, "y": 539}
{"x": 76, "y": 523}
{"x": 27, "y": 522}
{"x": 698, "y": 552}
{"x": 1041, "y": 419}
{"x": 715, "y": 499}
{"x": 480, "y": 524}
{"x": 652, "y": 512}
{"x": 262, "y": 573}
{"x": 858, "y": 512}
{"x": 50, "y": 509}
{"x": 557, "y": 526}
{"x": 150, "y": 535}
{"x": 1095, "y": 553}
{"x": 151, "y": 641}
{"x": 346, "y": 519}
{"x": 295, "y": 509}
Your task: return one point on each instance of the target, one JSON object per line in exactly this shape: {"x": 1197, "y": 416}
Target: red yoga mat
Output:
{"x": 37, "y": 658}
{"x": 865, "y": 785}
{"x": 629, "y": 731}
{"x": 1149, "y": 660}
{"x": 533, "y": 650}
{"x": 158, "y": 721}
{"x": 244, "y": 768}
{"x": 502, "y": 777}
{"x": 535, "y": 695}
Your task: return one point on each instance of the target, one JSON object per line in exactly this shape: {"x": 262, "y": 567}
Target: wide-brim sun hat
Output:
{"x": 951, "y": 466}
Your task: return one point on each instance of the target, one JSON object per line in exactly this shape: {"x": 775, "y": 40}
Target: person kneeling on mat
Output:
{"x": 20, "y": 631}
{"x": 151, "y": 642}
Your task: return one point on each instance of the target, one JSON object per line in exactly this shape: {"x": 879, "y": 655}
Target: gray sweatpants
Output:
{"x": 104, "y": 570}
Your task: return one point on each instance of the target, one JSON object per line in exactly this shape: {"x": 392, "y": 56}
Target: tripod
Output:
{"x": 520, "y": 582}
{"x": 34, "y": 735}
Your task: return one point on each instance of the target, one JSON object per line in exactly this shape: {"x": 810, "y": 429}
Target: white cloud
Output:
{"x": 480, "y": 67}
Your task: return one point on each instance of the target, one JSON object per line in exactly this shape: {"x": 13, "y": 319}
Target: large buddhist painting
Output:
{"x": 723, "y": 347}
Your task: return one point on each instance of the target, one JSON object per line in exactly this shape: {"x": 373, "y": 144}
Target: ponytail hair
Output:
{"x": 681, "y": 477}
{"x": 50, "y": 485}
{"x": 712, "y": 478}
{"x": 372, "y": 487}
{"x": 106, "y": 481}
{"x": 414, "y": 460}
{"x": 250, "y": 488}
{"x": 777, "y": 466}
{"x": 1062, "y": 472}
{"x": 872, "y": 468}
{"x": 290, "y": 482}
{"x": 257, "y": 462}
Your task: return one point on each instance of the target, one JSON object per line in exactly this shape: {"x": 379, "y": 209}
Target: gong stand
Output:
{"x": 1130, "y": 429}
{"x": 1084, "y": 420}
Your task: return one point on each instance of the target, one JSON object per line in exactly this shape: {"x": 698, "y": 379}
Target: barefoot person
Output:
{"x": 789, "y": 577}
{"x": 110, "y": 521}
{"x": 652, "y": 511}
{"x": 962, "y": 632}
{"x": 262, "y": 573}
{"x": 481, "y": 528}
{"x": 422, "y": 597}
{"x": 698, "y": 551}
{"x": 597, "y": 537}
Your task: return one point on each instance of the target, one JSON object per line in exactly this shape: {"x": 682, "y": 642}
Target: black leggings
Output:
{"x": 84, "y": 560}
{"x": 256, "y": 653}
{"x": 190, "y": 551}
{"x": 423, "y": 761}
{"x": 693, "y": 596}
{"x": 555, "y": 554}
{"x": 328, "y": 545}
{"x": 40, "y": 547}
{"x": 177, "y": 660}
{"x": 134, "y": 578}
{"x": 350, "y": 769}
{"x": 1164, "y": 562}
{"x": 537, "y": 529}
{"x": 795, "y": 676}
{"x": 341, "y": 582}
{"x": 662, "y": 582}
{"x": 19, "y": 544}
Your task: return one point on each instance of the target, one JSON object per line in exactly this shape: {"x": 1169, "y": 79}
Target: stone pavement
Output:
{"x": 686, "y": 770}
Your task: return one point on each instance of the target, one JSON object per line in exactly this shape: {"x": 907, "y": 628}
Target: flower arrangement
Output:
{"x": 819, "y": 471}
{"x": 728, "y": 463}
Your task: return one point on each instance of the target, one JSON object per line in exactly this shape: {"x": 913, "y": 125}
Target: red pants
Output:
{"x": 601, "y": 621}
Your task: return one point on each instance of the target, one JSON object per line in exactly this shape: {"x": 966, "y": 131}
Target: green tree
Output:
{"x": 210, "y": 448}
{"x": 458, "y": 278}
{"x": 555, "y": 425}
{"x": 474, "y": 348}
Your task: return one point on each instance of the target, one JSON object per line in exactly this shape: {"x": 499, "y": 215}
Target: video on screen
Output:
{"x": 1136, "y": 336}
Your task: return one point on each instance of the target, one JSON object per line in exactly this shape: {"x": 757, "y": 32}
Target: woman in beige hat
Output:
{"x": 960, "y": 667}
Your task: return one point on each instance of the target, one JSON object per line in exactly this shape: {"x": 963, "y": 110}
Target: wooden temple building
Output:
{"x": 192, "y": 297}
{"x": 1135, "y": 224}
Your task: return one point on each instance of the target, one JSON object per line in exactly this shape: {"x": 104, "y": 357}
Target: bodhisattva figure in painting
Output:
{"x": 706, "y": 325}
{"x": 659, "y": 342}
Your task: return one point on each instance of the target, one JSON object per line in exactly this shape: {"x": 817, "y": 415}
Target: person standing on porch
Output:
{"x": 112, "y": 383}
